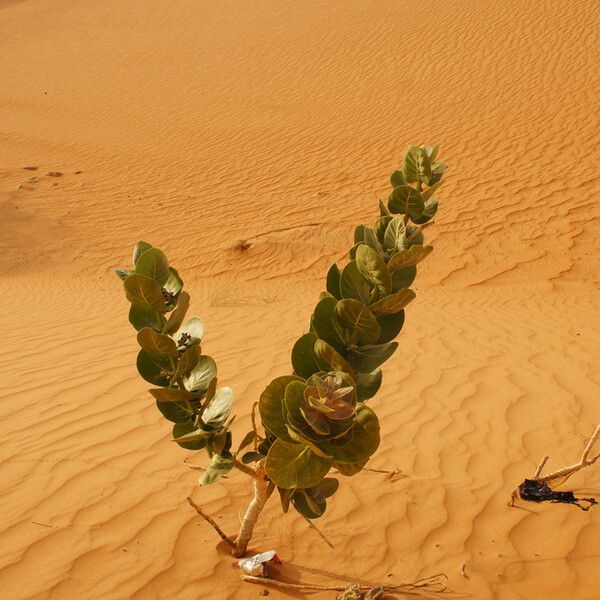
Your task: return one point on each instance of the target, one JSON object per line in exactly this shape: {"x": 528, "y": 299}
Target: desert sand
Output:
{"x": 194, "y": 124}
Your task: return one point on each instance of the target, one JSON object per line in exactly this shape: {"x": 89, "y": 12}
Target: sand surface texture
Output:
{"x": 193, "y": 124}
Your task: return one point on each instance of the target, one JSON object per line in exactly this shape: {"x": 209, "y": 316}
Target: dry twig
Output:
{"x": 212, "y": 522}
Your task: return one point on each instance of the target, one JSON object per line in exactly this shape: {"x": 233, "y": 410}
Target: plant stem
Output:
{"x": 245, "y": 469}
{"x": 262, "y": 490}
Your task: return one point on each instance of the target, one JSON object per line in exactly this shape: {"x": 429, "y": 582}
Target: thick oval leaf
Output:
{"x": 201, "y": 375}
{"x": 270, "y": 406}
{"x": 220, "y": 465}
{"x": 417, "y": 166}
{"x": 390, "y": 325}
{"x": 408, "y": 258}
{"x": 394, "y": 234}
{"x": 145, "y": 316}
{"x": 188, "y": 436}
{"x": 190, "y": 333}
{"x": 373, "y": 269}
{"x": 123, "y": 274}
{"x": 143, "y": 291}
{"x": 430, "y": 191}
{"x": 403, "y": 278}
{"x": 246, "y": 441}
{"x": 354, "y": 315}
{"x": 139, "y": 249}
{"x": 303, "y": 356}
{"x": 329, "y": 359}
{"x": 367, "y": 358}
{"x": 380, "y": 226}
{"x": 333, "y": 281}
{"x": 364, "y": 440}
{"x": 155, "y": 369}
{"x": 350, "y": 469}
{"x": 323, "y": 323}
{"x": 176, "y": 317}
{"x": 187, "y": 361}
{"x": 171, "y": 395}
{"x": 383, "y": 211}
{"x": 406, "y": 201}
{"x": 219, "y": 409}
{"x": 368, "y": 384}
{"x": 429, "y": 212}
{"x": 372, "y": 241}
{"x": 250, "y": 457}
{"x": 294, "y": 466}
{"x": 154, "y": 264}
{"x": 354, "y": 285}
{"x": 174, "y": 412}
{"x": 306, "y": 505}
{"x": 359, "y": 234}
{"x": 393, "y": 303}
{"x": 324, "y": 489}
{"x": 174, "y": 284}
{"x": 156, "y": 344}
{"x": 397, "y": 179}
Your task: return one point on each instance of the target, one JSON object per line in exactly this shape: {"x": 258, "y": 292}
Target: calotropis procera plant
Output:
{"x": 314, "y": 420}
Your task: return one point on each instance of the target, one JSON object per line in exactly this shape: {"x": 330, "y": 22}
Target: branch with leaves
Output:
{"x": 314, "y": 419}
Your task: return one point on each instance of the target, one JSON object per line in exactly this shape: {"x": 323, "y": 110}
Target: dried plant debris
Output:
{"x": 536, "y": 491}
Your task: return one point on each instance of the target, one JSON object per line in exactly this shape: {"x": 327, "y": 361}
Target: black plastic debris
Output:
{"x": 536, "y": 491}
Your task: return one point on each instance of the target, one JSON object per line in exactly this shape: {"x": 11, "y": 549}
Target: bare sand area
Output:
{"x": 194, "y": 124}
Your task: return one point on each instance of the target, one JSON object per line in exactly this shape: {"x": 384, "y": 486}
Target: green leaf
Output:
{"x": 356, "y": 316}
{"x": 270, "y": 406}
{"x": 201, "y": 375}
{"x": 368, "y": 384}
{"x": 407, "y": 201}
{"x": 350, "y": 469}
{"x": 156, "y": 344}
{"x": 393, "y": 303}
{"x": 372, "y": 241}
{"x": 220, "y": 465}
{"x": 139, "y": 249}
{"x": 171, "y": 395}
{"x": 219, "y": 409}
{"x": 329, "y": 359}
{"x": 286, "y": 496}
{"x": 432, "y": 152}
{"x": 354, "y": 285}
{"x": 417, "y": 166}
{"x": 429, "y": 211}
{"x": 359, "y": 234}
{"x": 397, "y": 179}
{"x": 246, "y": 441}
{"x": 403, "y": 278}
{"x": 383, "y": 211}
{"x": 391, "y": 325}
{"x": 362, "y": 444}
{"x": 143, "y": 291}
{"x": 176, "y": 317}
{"x": 190, "y": 333}
{"x": 155, "y": 370}
{"x": 189, "y": 437}
{"x": 380, "y": 226}
{"x": 394, "y": 234}
{"x": 174, "y": 284}
{"x": 367, "y": 358}
{"x": 123, "y": 274}
{"x": 407, "y": 258}
{"x": 303, "y": 356}
{"x": 323, "y": 323}
{"x": 174, "y": 412}
{"x": 430, "y": 191}
{"x": 294, "y": 466}
{"x": 145, "y": 316}
{"x": 250, "y": 457}
{"x": 306, "y": 506}
{"x": 373, "y": 269}
{"x": 187, "y": 361}
{"x": 333, "y": 281}
{"x": 153, "y": 263}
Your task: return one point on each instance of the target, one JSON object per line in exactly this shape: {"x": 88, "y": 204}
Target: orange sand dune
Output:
{"x": 194, "y": 124}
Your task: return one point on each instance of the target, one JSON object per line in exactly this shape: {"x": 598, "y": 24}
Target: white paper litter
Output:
{"x": 257, "y": 565}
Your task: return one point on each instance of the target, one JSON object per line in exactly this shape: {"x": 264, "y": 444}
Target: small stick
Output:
{"x": 253, "y": 416}
{"x": 245, "y": 243}
{"x": 463, "y": 572}
{"x": 584, "y": 461}
{"x": 318, "y": 532}
{"x": 541, "y": 466}
{"x": 417, "y": 588}
{"x": 212, "y": 522}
